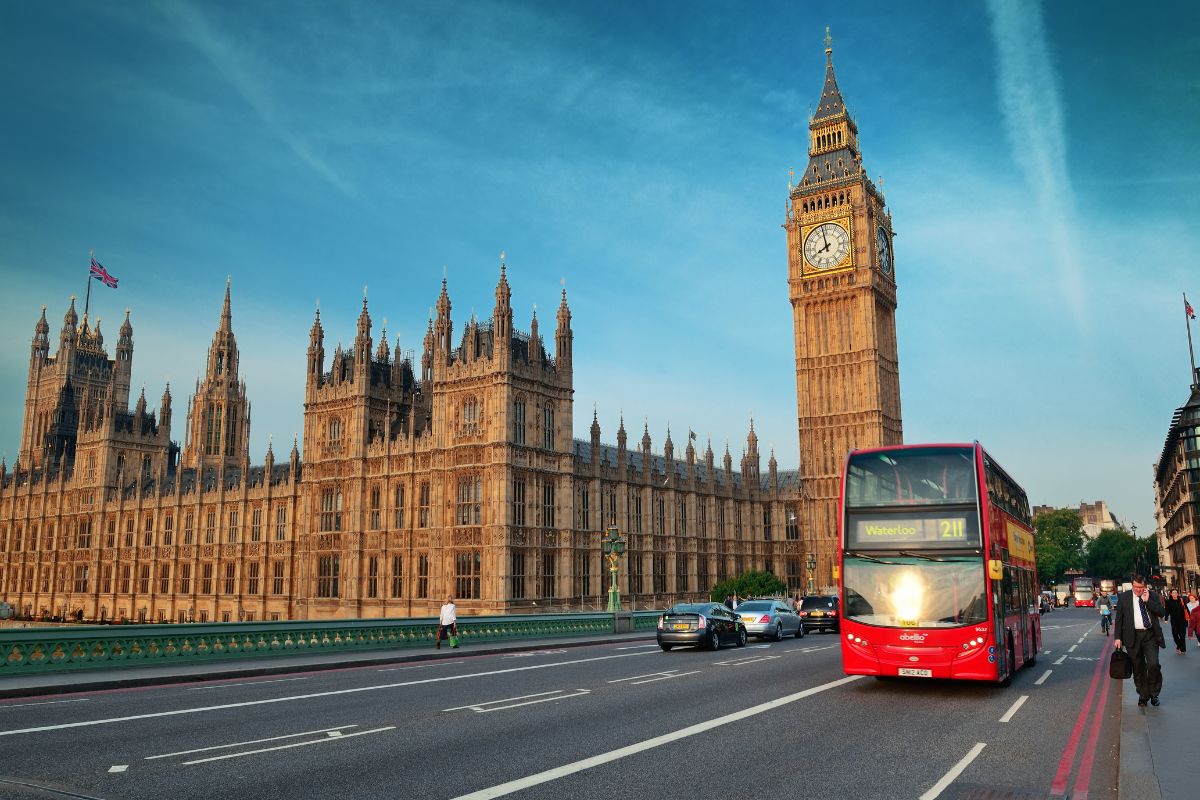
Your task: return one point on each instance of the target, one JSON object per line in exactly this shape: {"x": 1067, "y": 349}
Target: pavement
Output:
{"x": 166, "y": 673}
{"x": 1157, "y": 748}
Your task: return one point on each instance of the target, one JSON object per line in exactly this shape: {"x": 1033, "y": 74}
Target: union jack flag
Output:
{"x": 1187, "y": 308}
{"x": 102, "y": 275}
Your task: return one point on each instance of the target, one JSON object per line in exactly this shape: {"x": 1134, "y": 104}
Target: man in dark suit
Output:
{"x": 1137, "y": 628}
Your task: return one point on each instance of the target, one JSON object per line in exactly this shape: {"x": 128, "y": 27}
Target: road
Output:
{"x": 768, "y": 720}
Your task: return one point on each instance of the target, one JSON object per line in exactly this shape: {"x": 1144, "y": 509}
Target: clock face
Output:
{"x": 883, "y": 246}
{"x": 826, "y": 245}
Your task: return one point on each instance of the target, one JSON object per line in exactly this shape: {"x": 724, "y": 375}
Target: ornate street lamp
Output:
{"x": 812, "y": 568}
{"x": 613, "y": 547}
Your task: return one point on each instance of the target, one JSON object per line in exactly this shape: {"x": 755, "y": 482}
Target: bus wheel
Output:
{"x": 1033, "y": 653}
{"x": 1011, "y": 659}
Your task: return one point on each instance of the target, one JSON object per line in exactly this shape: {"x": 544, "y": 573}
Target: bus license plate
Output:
{"x": 909, "y": 672}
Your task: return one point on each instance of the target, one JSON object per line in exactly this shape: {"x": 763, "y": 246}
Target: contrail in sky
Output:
{"x": 1033, "y": 118}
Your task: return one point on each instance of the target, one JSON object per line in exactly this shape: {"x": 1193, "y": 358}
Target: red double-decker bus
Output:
{"x": 937, "y": 572}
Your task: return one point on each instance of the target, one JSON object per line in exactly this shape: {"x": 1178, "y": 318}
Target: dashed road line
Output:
{"x": 738, "y": 662}
{"x": 246, "y": 683}
{"x": 1071, "y": 649}
{"x": 954, "y": 772}
{"x": 338, "y": 729}
{"x": 491, "y": 705}
{"x": 1008, "y": 715}
{"x": 44, "y": 703}
{"x": 118, "y": 768}
{"x": 421, "y": 666}
{"x": 326, "y": 740}
{"x": 613, "y": 755}
{"x": 1061, "y": 659}
{"x": 1042, "y": 679}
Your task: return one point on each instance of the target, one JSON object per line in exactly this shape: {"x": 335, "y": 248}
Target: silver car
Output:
{"x": 770, "y": 618}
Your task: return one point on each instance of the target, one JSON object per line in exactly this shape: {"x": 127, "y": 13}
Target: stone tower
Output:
{"x": 218, "y": 418}
{"x": 842, "y": 285}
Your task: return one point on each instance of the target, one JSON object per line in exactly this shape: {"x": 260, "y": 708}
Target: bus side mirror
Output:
{"x": 996, "y": 569}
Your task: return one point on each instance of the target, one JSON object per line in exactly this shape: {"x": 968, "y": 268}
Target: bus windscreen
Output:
{"x": 916, "y": 476}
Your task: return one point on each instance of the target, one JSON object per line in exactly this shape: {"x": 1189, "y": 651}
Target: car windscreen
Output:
{"x": 816, "y": 602}
{"x": 756, "y": 605}
{"x": 690, "y": 608}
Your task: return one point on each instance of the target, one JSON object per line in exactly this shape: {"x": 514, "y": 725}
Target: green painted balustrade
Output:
{"x": 36, "y": 650}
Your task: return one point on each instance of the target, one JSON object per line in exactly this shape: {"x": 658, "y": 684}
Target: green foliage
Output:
{"x": 1059, "y": 543}
{"x": 1146, "y": 557}
{"x": 749, "y": 584}
{"x": 1112, "y": 554}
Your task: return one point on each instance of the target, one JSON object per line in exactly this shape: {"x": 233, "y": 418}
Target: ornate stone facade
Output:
{"x": 458, "y": 476}
{"x": 842, "y": 282}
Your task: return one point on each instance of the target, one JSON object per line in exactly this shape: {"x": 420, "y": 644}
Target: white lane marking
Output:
{"x": 421, "y": 666}
{"x": 1081, "y": 638}
{"x": 954, "y": 772}
{"x": 1008, "y": 715}
{"x": 45, "y": 703}
{"x": 1042, "y": 679}
{"x": 331, "y": 693}
{"x": 1060, "y": 660}
{"x": 635, "y": 647}
{"x": 535, "y": 653}
{"x": 252, "y": 741}
{"x": 289, "y": 746}
{"x": 647, "y": 675}
{"x": 247, "y": 683}
{"x": 758, "y": 646}
{"x": 118, "y": 768}
{"x": 505, "y": 700}
{"x": 814, "y": 649}
{"x": 629, "y": 750}
{"x": 737, "y": 662}
{"x": 558, "y": 694}
{"x": 1045, "y": 652}
{"x": 666, "y": 677}
{"x": 1071, "y": 649}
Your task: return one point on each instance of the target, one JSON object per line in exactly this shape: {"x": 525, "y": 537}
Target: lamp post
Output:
{"x": 613, "y": 547}
{"x": 812, "y": 568}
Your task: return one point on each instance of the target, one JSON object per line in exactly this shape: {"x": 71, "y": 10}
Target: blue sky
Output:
{"x": 1040, "y": 164}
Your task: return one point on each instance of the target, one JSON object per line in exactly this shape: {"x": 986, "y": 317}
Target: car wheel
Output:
{"x": 799, "y": 631}
{"x": 741, "y": 640}
{"x": 778, "y": 632}
{"x": 666, "y": 647}
{"x": 714, "y": 641}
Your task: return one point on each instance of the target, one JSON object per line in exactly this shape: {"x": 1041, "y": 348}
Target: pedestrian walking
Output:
{"x": 1137, "y": 626}
{"x": 1194, "y": 615}
{"x": 447, "y": 623}
{"x": 1177, "y": 614}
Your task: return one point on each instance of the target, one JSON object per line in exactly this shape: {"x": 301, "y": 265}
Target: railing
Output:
{"x": 81, "y": 647}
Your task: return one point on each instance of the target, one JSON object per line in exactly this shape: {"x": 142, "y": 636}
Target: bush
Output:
{"x": 749, "y": 584}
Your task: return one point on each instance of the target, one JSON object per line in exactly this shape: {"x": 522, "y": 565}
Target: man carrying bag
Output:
{"x": 448, "y": 624}
{"x": 1137, "y": 628}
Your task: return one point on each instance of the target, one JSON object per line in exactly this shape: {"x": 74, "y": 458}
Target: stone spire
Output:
{"x": 831, "y": 103}
{"x": 563, "y": 336}
{"x": 40, "y": 348}
{"x": 316, "y": 348}
{"x": 362, "y": 340}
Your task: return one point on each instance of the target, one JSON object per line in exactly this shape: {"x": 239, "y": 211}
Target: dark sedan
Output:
{"x": 820, "y": 613}
{"x": 702, "y": 624}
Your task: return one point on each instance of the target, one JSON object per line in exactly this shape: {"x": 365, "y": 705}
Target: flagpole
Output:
{"x": 88, "y": 297}
{"x": 1191, "y": 353}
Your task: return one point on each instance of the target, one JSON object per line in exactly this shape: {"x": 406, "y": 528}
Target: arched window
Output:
{"x": 519, "y": 422}
{"x": 548, "y": 427}
{"x": 335, "y": 431}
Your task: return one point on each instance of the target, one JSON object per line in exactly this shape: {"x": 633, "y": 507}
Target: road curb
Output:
{"x": 1135, "y": 774}
{"x": 224, "y": 670}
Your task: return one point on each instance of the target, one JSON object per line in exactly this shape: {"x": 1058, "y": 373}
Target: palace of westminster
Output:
{"x": 455, "y": 476}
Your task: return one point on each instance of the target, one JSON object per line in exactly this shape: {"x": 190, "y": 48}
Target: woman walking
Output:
{"x": 1193, "y": 607}
{"x": 1177, "y": 613}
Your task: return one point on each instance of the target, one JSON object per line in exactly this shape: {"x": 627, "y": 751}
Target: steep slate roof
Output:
{"x": 788, "y": 479}
{"x": 831, "y": 103}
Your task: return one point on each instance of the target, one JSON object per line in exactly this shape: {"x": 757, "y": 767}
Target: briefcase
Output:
{"x": 1120, "y": 665}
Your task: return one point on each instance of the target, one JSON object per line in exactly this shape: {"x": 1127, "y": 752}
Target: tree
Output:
{"x": 1112, "y": 554}
{"x": 749, "y": 584}
{"x": 1058, "y": 543}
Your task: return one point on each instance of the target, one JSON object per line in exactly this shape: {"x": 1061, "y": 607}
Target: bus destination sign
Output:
{"x": 928, "y": 527}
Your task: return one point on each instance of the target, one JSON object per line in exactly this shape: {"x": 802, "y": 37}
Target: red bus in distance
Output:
{"x": 938, "y": 577}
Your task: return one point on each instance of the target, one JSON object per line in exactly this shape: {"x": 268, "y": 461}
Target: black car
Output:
{"x": 707, "y": 624}
{"x": 820, "y": 613}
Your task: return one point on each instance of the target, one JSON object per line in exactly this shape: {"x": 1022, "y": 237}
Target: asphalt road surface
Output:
{"x": 771, "y": 720}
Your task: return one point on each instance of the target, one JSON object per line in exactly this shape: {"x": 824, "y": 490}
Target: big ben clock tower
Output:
{"x": 842, "y": 284}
